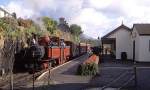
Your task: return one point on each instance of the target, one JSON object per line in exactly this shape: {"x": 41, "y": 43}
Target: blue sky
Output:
{"x": 2, "y": 2}
{"x": 96, "y": 17}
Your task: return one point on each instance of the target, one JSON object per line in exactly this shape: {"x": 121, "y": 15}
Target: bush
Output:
{"x": 87, "y": 69}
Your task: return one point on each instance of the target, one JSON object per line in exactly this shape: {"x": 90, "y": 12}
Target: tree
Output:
{"x": 7, "y": 51}
{"x": 8, "y": 54}
{"x": 76, "y": 31}
{"x": 50, "y": 24}
{"x": 26, "y": 23}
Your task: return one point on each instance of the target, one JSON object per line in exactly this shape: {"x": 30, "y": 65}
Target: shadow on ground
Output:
{"x": 66, "y": 86}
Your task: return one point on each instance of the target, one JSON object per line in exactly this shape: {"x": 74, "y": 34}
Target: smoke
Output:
{"x": 38, "y": 6}
{"x": 52, "y": 8}
{"x": 40, "y": 23}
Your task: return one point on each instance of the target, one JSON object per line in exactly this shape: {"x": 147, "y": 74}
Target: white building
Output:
{"x": 141, "y": 42}
{"x": 4, "y": 13}
{"x": 135, "y": 42}
{"x": 1, "y": 13}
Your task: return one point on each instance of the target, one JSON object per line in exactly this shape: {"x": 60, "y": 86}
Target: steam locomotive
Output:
{"x": 49, "y": 51}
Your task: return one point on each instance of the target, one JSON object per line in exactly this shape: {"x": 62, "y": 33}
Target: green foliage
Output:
{"x": 75, "y": 30}
{"x": 3, "y": 25}
{"x": 76, "y": 39}
{"x": 26, "y": 23}
{"x": 30, "y": 30}
{"x": 13, "y": 23}
{"x": 7, "y": 29}
{"x": 87, "y": 69}
{"x": 50, "y": 24}
{"x": 14, "y": 28}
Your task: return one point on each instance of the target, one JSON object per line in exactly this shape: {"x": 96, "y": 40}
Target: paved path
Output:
{"x": 64, "y": 77}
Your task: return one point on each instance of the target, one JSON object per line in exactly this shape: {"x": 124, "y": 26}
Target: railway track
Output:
{"x": 124, "y": 79}
{"x": 19, "y": 80}
{"x": 6, "y": 80}
{"x": 119, "y": 82}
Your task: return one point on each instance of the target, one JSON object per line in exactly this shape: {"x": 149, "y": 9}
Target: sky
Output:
{"x": 96, "y": 17}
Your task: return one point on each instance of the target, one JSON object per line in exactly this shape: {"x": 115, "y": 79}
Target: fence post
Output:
{"x": 49, "y": 72}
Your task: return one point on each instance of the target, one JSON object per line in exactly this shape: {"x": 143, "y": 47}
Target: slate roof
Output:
{"x": 142, "y": 29}
{"x": 115, "y": 30}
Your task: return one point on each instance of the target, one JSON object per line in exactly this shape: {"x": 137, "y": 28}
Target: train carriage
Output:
{"x": 52, "y": 50}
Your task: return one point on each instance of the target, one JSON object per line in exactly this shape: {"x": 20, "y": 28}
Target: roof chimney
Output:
{"x": 62, "y": 20}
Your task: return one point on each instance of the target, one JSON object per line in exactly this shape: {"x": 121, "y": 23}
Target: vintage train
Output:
{"x": 48, "y": 51}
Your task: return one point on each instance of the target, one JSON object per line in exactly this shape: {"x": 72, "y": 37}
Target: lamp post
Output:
{"x": 49, "y": 65}
{"x": 135, "y": 74}
{"x": 62, "y": 44}
{"x": 99, "y": 40}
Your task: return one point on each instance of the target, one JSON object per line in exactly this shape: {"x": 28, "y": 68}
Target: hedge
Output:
{"x": 88, "y": 67}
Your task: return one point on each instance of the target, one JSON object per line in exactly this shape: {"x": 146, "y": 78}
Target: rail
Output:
{"x": 113, "y": 81}
{"x": 133, "y": 77}
{"x": 20, "y": 79}
{"x": 124, "y": 83}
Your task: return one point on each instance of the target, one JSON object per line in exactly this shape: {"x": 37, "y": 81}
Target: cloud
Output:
{"x": 19, "y": 9}
{"x": 96, "y": 17}
{"x": 100, "y": 4}
{"x": 91, "y": 21}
